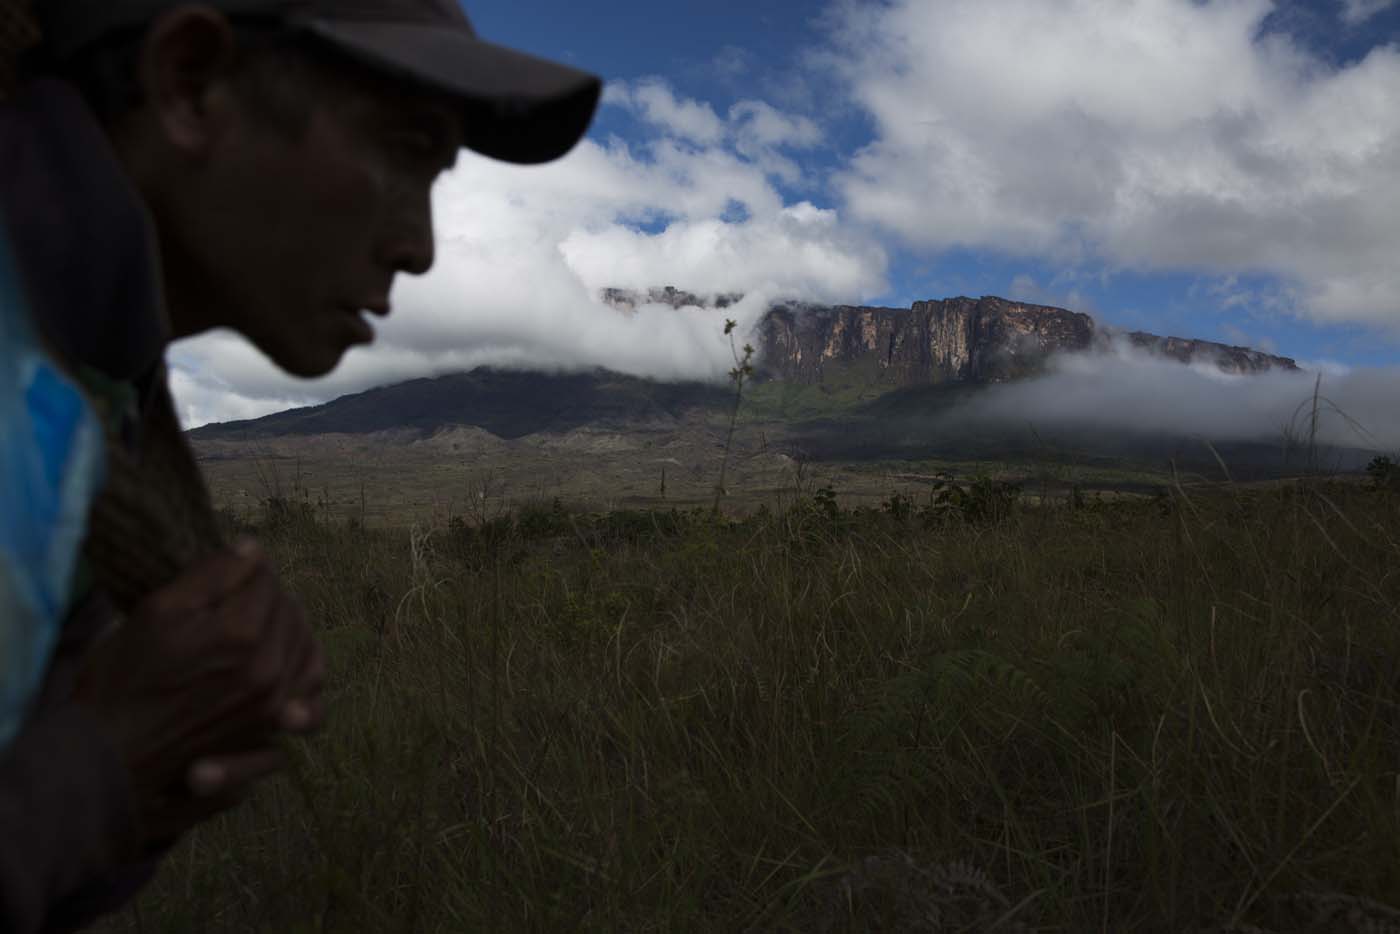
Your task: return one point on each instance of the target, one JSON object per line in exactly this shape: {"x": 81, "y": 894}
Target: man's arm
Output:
{"x": 65, "y": 806}
{"x": 66, "y": 815}
{"x": 114, "y": 885}
{"x": 106, "y": 774}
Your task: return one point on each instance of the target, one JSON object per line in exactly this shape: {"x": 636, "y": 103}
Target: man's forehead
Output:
{"x": 400, "y": 98}
{"x": 436, "y": 113}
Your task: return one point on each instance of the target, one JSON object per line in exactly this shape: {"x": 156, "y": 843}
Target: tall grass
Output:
{"x": 1171, "y": 715}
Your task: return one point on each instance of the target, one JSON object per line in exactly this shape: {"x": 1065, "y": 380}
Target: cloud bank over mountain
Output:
{"x": 1129, "y": 390}
{"x": 523, "y": 254}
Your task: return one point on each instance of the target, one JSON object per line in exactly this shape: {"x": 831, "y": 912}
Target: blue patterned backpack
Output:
{"x": 50, "y": 466}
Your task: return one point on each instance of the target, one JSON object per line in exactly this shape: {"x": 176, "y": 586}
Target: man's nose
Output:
{"x": 409, "y": 248}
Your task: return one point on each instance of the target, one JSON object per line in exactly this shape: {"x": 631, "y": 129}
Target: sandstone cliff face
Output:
{"x": 1231, "y": 359}
{"x": 973, "y": 340}
{"x": 986, "y": 340}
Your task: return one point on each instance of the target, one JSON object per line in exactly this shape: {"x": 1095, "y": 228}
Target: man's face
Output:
{"x": 296, "y": 237}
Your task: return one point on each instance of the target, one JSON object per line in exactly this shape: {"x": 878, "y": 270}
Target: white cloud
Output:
{"x": 761, "y": 124}
{"x": 654, "y": 101}
{"x": 760, "y": 132}
{"x": 800, "y": 250}
{"x": 523, "y": 253}
{"x": 1151, "y": 134}
{"x": 1355, "y": 12}
{"x": 1130, "y": 390}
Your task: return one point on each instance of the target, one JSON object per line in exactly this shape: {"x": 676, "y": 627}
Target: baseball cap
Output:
{"x": 516, "y": 107}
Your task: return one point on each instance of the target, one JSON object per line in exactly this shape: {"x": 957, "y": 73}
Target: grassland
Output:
{"x": 957, "y": 711}
{"x": 385, "y": 480}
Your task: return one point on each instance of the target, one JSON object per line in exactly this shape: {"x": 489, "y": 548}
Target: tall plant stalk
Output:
{"x": 743, "y": 369}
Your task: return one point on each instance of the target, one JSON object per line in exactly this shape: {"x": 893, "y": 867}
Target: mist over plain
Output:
{"x": 1127, "y": 390}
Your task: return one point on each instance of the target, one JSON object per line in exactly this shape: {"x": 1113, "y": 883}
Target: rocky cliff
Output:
{"x": 983, "y": 340}
{"x": 1231, "y": 359}
{"x": 986, "y": 340}
{"x": 965, "y": 340}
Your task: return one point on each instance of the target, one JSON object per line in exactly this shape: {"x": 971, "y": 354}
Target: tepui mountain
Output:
{"x": 955, "y": 342}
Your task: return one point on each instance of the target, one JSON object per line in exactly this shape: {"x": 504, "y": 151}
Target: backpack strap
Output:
{"x": 153, "y": 516}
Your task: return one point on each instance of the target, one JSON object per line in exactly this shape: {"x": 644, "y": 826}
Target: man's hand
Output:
{"x": 196, "y": 685}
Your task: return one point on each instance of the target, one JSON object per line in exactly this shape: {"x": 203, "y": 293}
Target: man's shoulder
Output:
{"x": 81, "y": 234}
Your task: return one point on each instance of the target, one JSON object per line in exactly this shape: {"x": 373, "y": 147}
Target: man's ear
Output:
{"x": 186, "y": 58}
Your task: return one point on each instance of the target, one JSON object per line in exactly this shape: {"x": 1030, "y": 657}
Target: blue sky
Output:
{"x": 1219, "y": 169}
{"x": 724, "y": 52}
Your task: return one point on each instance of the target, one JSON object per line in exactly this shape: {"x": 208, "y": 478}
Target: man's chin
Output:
{"x": 304, "y": 362}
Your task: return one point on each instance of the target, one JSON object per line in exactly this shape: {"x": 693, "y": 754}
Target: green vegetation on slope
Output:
{"x": 1156, "y": 715}
{"x": 845, "y": 387}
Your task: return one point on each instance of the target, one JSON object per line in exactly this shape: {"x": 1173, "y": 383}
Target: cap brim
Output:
{"x": 517, "y": 108}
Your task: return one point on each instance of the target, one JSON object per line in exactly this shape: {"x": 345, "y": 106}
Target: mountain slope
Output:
{"x": 507, "y": 403}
